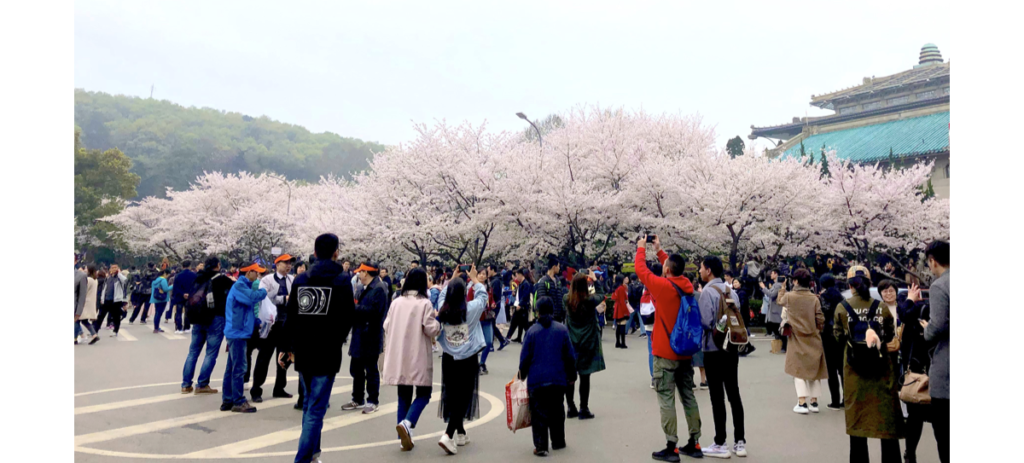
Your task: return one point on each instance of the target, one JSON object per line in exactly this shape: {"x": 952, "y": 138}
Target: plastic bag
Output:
{"x": 517, "y": 404}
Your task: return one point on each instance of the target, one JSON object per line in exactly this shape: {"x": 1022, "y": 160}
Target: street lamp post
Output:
{"x": 285, "y": 182}
{"x": 523, "y": 117}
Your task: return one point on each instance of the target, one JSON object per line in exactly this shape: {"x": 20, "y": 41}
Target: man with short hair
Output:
{"x": 206, "y": 331}
{"x": 182, "y": 285}
{"x": 113, "y": 297}
{"x": 672, "y": 371}
{"x": 145, "y": 292}
{"x": 722, "y": 367}
{"x": 549, "y": 286}
{"x": 367, "y": 339}
{"x": 239, "y": 320}
{"x": 414, "y": 263}
{"x": 272, "y": 319}
{"x": 936, "y": 330}
{"x": 319, "y": 312}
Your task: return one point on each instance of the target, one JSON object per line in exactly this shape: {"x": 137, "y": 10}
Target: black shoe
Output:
{"x": 226, "y": 406}
{"x": 518, "y": 340}
{"x": 691, "y": 450}
{"x": 667, "y": 454}
{"x": 586, "y": 415}
{"x": 504, "y": 344}
{"x": 909, "y": 458}
{"x": 624, "y": 346}
{"x": 282, "y": 395}
{"x": 834, "y": 407}
{"x": 483, "y": 370}
{"x": 573, "y": 412}
{"x": 540, "y": 453}
{"x": 298, "y": 406}
{"x": 257, "y": 399}
{"x": 555, "y": 446}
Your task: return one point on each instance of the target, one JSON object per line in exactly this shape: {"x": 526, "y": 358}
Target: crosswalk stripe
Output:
{"x": 171, "y": 336}
{"x": 145, "y": 428}
{"x": 129, "y": 403}
{"x": 124, "y": 335}
{"x": 292, "y": 434}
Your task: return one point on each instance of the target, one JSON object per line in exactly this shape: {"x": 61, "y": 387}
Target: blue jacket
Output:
{"x": 161, "y": 290}
{"x": 239, "y": 312}
{"x": 547, "y": 357}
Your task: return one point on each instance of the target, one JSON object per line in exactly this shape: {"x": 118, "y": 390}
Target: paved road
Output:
{"x": 149, "y": 419}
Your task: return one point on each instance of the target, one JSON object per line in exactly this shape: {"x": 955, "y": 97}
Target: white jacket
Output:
{"x": 268, "y": 306}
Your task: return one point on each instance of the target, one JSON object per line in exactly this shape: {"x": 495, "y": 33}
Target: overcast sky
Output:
{"x": 371, "y": 69}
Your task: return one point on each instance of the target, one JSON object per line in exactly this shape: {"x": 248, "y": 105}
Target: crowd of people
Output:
{"x": 868, "y": 333}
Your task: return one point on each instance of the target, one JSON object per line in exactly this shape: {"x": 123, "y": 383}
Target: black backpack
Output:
{"x": 634, "y": 293}
{"x": 147, "y": 282}
{"x": 868, "y": 362}
{"x": 200, "y": 306}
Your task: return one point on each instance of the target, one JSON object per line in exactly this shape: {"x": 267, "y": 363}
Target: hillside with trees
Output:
{"x": 170, "y": 145}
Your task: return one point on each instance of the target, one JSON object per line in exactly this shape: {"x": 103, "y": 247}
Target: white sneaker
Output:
{"x": 801, "y": 409}
{"x": 717, "y": 451}
{"x": 187, "y": 331}
{"x": 447, "y": 444}
{"x": 740, "y": 448}
{"x": 405, "y": 434}
{"x": 177, "y": 331}
{"x": 813, "y": 407}
{"x": 461, "y": 439}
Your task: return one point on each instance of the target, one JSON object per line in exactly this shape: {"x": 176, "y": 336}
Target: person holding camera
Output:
{"x": 774, "y": 315}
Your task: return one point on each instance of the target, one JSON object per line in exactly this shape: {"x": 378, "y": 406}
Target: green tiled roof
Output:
{"x": 906, "y": 137}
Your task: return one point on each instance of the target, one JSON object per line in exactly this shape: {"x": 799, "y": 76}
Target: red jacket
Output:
{"x": 666, "y": 303}
{"x": 619, "y": 296}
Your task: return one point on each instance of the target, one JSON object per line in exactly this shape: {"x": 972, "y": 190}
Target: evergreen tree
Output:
{"x": 735, "y": 147}
{"x": 824, "y": 165}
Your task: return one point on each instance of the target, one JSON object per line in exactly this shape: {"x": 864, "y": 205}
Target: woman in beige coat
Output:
{"x": 805, "y": 358}
{"x": 88, "y": 317}
{"x": 410, "y": 327}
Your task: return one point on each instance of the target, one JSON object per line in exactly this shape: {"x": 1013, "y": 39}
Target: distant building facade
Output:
{"x": 895, "y": 119}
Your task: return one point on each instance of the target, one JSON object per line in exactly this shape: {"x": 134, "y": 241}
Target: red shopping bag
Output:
{"x": 517, "y": 404}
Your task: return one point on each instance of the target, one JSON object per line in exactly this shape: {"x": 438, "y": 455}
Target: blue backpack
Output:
{"x": 686, "y": 335}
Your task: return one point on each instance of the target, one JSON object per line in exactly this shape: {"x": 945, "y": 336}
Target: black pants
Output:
{"x": 940, "y": 423}
{"x": 547, "y": 415}
{"x": 722, "y": 370}
{"x": 584, "y": 393}
{"x": 458, "y": 377}
{"x": 111, "y": 310}
{"x": 916, "y": 416}
{"x": 859, "y": 450}
{"x": 519, "y": 320}
{"x": 142, "y": 305}
{"x": 834, "y": 365}
{"x": 620, "y": 334}
{"x": 181, "y": 321}
{"x": 365, "y": 379}
{"x": 267, "y": 354}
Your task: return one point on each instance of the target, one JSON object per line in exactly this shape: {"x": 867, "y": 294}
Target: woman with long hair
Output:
{"x": 583, "y": 307}
{"x": 870, "y": 393}
{"x": 410, "y": 329}
{"x": 461, "y": 339}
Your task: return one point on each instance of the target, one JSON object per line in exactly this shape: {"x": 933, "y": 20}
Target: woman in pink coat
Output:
{"x": 409, "y": 329}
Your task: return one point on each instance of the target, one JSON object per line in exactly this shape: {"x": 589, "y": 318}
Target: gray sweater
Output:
{"x": 938, "y": 333}
{"x": 81, "y": 288}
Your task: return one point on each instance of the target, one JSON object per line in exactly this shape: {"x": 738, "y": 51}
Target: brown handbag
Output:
{"x": 915, "y": 389}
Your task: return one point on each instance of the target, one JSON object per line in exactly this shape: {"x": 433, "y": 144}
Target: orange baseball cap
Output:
{"x": 365, "y": 268}
{"x": 283, "y": 258}
{"x": 254, "y": 267}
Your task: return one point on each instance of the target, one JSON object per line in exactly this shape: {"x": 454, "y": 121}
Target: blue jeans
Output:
{"x": 210, "y": 335}
{"x": 160, "y": 307}
{"x": 179, "y": 314}
{"x": 232, "y": 391}
{"x": 650, "y": 353}
{"x": 412, "y": 413}
{"x": 317, "y": 392}
{"x": 488, "y": 327}
{"x": 635, "y": 322}
{"x": 78, "y": 329}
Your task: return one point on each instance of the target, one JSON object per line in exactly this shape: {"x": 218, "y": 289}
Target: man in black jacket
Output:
{"x": 207, "y": 328}
{"x": 145, "y": 289}
{"x": 367, "y": 339}
{"x": 320, "y": 310}
{"x": 548, "y": 286}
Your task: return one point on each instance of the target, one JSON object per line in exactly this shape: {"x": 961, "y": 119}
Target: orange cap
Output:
{"x": 254, "y": 267}
{"x": 366, "y": 268}
{"x": 283, "y": 258}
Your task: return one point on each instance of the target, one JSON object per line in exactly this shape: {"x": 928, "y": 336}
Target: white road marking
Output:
{"x": 497, "y": 409}
{"x": 146, "y": 428}
{"x": 130, "y": 403}
{"x": 171, "y": 336}
{"x": 116, "y": 389}
{"x": 124, "y": 335}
